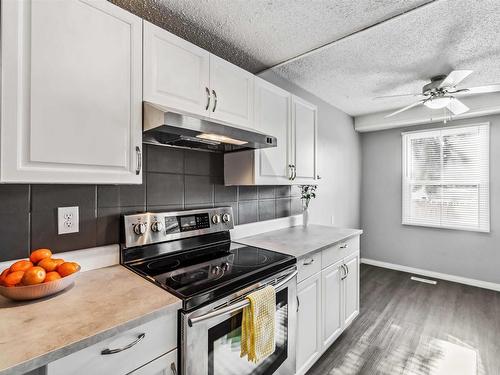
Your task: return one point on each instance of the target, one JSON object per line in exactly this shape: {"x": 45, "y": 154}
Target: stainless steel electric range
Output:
{"x": 191, "y": 255}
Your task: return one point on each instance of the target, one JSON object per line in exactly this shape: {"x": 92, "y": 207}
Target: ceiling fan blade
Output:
{"x": 454, "y": 78}
{"x": 396, "y": 96}
{"x": 405, "y": 108}
{"x": 457, "y": 107}
{"x": 478, "y": 90}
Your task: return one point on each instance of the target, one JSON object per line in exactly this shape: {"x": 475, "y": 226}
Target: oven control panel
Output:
{"x": 148, "y": 228}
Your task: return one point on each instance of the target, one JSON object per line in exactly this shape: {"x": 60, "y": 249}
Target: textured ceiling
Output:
{"x": 392, "y": 57}
{"x": 257, "y": 34}
{"x": 400, "y": 55}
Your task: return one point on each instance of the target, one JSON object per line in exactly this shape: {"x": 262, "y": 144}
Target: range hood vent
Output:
{"x": 163, "y": 127}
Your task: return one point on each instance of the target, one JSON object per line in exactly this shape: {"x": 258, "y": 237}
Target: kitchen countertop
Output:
{"x": 300, "y": 241}
{"x": 101, "y": 304}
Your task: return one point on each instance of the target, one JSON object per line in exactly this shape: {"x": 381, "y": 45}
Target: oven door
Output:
{"x": 211, "y": 336}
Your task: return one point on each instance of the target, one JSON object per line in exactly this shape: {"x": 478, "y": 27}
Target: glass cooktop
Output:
{"x": 205, "y": 274}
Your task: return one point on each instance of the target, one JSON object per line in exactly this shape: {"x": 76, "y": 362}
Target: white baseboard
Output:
{"x": 437, "y": 275}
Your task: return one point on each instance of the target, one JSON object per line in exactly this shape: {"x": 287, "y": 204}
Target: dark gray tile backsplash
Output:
{"x": 248, "y": 212}
{"x": 174, "y": 179}
{"x": 15, "y": 234}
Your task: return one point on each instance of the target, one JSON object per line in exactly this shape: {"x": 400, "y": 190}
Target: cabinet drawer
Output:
{"x": 165, "y": 365}
{"x": 308, "y": 266}
{"x": 159, "y": 337}
{"x": 339, "y": 251}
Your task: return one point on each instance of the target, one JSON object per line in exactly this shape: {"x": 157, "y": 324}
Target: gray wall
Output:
{"x": 467, "y": 254}
{"x": 339, "y": 162}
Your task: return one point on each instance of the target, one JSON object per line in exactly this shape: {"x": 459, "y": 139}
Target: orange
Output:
{"x": 13, "y": 278}
{"x": 34, "y": 275}
{"x": 49, "y": 264}
{"x": 3, "y": 275}
{"x": 58, "y": 261}
{"x": 67, "y": 268}
{"x": 21, "y": 265}
{"x": 51, "y": 276}
{"x": 40, "y": 254}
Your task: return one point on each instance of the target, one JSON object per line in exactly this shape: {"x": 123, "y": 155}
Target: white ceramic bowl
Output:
{"x": 23, "y": 293}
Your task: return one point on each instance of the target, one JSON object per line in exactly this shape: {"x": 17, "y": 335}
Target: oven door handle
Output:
{"x": 237, "y": 305}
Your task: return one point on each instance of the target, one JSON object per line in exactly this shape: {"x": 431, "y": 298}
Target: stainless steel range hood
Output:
{"x": 163, "y": 127}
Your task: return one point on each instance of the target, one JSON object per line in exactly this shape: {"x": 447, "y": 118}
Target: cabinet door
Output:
{"x": 164, "y": 365}
{"x": 71, "y": 92}
{"x": 351, "y": 289}
{"x": 308, "y": 323}
{"x": 331, "y": 285}
{"x": 176, "y": 72}
{"x": 232, "y": 93}
{"x": 304, "y": 120}
{"x": 272, "y": 116}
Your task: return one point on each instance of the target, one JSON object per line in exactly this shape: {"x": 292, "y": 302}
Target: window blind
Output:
{"x": 446, "y": 178}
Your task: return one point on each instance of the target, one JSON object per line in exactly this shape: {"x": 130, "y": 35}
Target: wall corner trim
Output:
{"x": 437, "y": 275}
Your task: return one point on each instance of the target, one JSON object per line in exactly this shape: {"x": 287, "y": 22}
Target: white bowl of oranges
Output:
{"x": 37, "y": 277}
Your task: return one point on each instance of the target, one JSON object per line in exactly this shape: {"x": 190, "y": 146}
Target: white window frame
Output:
{"x": 406, "y": 182}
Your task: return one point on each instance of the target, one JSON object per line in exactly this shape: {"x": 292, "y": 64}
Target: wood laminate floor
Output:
{"x": 411, "y": 328}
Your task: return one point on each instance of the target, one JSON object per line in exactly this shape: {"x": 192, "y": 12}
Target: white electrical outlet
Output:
{"x": 67, "y": 220}
{"x": 333, "y": 220}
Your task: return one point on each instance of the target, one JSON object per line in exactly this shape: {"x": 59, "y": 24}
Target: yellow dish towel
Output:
{"x": 258, "y": 325}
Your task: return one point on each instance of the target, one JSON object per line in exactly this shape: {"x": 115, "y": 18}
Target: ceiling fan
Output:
{"x": 441, "y": 91}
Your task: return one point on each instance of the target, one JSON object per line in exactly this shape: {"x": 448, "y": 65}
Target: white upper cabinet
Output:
{"x": 309, "y": 344}
{"x": 332, "y": 290}
{"x": 232, "y": 93}
{"x": 272, "y": 116}
{"x": 176, "y": 72}
{"x": 185, "y": 78}
{"x": 71, "y": 92}
{"x": 293, "y": 122}
{"x": 304, "y": 130}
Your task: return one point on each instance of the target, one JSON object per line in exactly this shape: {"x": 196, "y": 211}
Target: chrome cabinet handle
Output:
{"x": 215, "y": 100}
{"x": 345, "y": 272}
{"x": 347, "y": 268}
{"x": 139, "y": 160}
{"x": 344, "y": 246}
{"x": 293, "y": 170}
{"x": 118, "y": 350}
{"x": 318, "y": 177}
{"x": 208, "y": 98}
{"x": 173, "y": 369}
{"x": 298, "y": 303}
{"x": 308, "y": 263}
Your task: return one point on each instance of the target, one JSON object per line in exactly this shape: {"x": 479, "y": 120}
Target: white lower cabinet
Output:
{"x": 328, "y": 300}
{"x": 164, "y": 365}
{"x": 351, "y": 289}
{"x": 137, "y": 349}
{"x": 332, "y": 298}
{"x": 308, "y": 323}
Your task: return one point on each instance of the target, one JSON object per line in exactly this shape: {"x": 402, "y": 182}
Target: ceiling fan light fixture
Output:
{"x": 438, "y": 103}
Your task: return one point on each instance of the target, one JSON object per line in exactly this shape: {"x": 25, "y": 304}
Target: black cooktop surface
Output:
{"x": 204, "y": 274}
